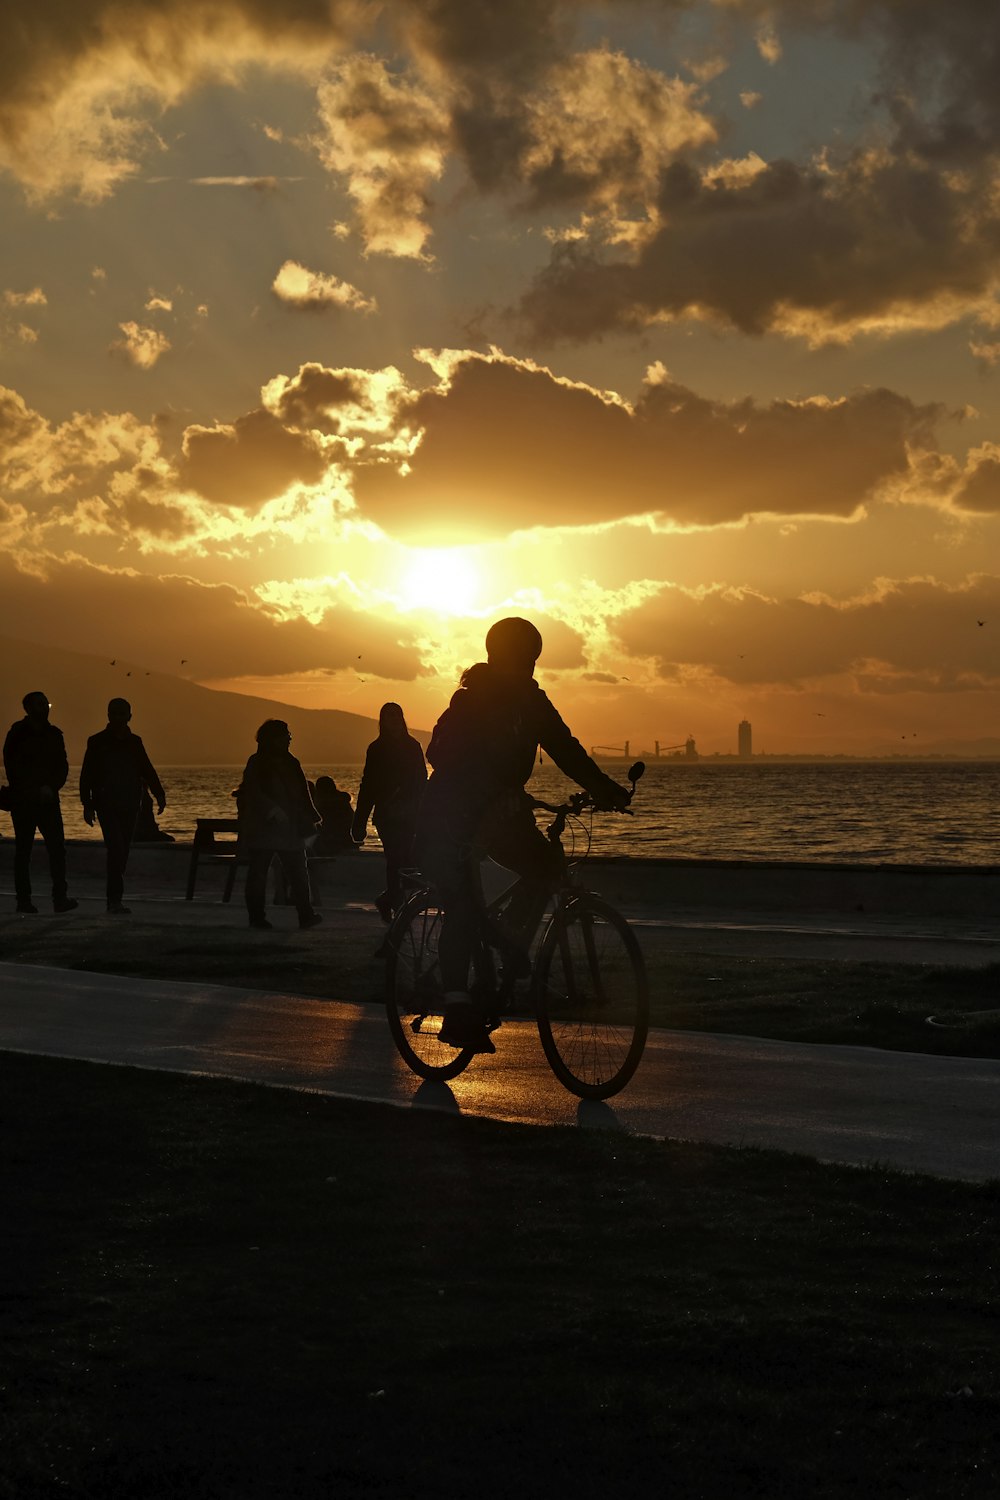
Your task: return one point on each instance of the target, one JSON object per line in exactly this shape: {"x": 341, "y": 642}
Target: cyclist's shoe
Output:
{"x": 462, "y": 1026}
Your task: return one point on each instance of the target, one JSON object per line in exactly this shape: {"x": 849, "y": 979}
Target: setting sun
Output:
{"x": 445, "y": 579}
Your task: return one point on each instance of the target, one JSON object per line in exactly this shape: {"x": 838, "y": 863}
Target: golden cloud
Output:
{"x": 245, "y": 463}
{"x": 223, "y": 631}
{"x": 502, "y": 445}
{"x": 916, "y": 626}
{"x": 311, "y": 291}
{"x": 878, "y": 245}
{"x": 387, "y": 135}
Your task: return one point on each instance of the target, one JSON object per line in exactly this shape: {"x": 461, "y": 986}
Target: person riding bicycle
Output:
{"x": 482, "y": 752}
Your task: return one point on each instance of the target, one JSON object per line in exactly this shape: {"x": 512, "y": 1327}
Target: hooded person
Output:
{"x": 275, "y": 818}
{"x": 392, "y": 785}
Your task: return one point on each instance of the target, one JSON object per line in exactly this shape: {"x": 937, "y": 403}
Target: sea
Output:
{"x": 868, "y": 812}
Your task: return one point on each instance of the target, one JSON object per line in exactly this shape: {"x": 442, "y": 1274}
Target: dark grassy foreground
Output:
{"x": 213, "y": 1289}
{"x": 868, "y": 1004}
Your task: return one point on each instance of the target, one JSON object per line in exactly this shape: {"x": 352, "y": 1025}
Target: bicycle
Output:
{"x": 588, "y": 986}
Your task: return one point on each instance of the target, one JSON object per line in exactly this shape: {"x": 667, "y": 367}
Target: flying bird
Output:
{"x": 980, "y": 622}
{"x": 112, "y": 661}
{"x": 184, "y": 661}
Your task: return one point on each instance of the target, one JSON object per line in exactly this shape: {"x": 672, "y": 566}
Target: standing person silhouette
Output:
{"x": 392, "y": 785}
{"x": 275, "y": 817}
{"x": 34, "y": 758}
{"x": 116, "y": 771}
{"x": 482, "y": 753}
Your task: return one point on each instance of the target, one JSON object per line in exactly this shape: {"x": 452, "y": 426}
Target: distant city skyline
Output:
{"x": 330, "y": 334}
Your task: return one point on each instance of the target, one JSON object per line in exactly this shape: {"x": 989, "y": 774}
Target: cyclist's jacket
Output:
{"x": 485, "y": 742}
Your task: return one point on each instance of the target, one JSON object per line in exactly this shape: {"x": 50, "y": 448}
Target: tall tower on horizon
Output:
{"x": 745, "y": 738}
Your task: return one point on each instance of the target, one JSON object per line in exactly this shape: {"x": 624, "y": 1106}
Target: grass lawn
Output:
{"x": 869, "y": 1004}
{"x": 215, "y": 1289}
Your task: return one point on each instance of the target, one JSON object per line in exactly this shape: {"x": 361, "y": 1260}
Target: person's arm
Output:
{"x": 366, "y": 800}
{"x": 565, "y": 750}
{"x": 9, "y": 761}
{"x": 152, "y": 782}
{"x": 87, "y": 784}
{"x": 60, "y": 763}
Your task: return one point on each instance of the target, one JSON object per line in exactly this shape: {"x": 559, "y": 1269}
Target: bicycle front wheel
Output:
{"x": 591, "y": 998}
{"x": 414, "y": 994}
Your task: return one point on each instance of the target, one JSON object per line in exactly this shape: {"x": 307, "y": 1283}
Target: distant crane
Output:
{"x": 623, "y": 750}
{"x": 688, "y": 746}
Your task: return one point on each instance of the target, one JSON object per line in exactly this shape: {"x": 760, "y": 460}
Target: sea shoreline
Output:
{"x": 648, "y": 886}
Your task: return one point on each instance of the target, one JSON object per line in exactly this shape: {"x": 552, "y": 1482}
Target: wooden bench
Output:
{"x": 205, "y": 850}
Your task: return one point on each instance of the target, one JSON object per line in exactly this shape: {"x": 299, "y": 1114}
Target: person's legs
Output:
{"x": 255, "y": 890}
{"x": 50, "y": 826}
{"x": 293, "y": 862}
{"x": 115, "y": 829}
{"x": 25, "y": 823}
{"x": 397, "y": 845}
{"x": 511, "y": 836}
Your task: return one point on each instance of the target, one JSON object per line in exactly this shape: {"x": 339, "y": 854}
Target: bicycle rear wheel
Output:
{"x": 414, "y": 994}
{"x": 591, "y": 998}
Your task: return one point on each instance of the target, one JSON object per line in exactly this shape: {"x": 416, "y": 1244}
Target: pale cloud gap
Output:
{"x": 313, "y": 291}
{"x": 141, "y": 346}
{"x": 883, "y": 234}
{"x": 159, "y": 304}
{"x": 79, "y": 80}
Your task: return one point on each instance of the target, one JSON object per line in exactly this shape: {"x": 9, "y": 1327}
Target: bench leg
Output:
{"x": 192, "y": 875}
{"x": 230, "y": 880}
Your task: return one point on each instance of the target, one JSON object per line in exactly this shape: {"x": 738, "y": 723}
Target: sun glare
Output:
{"x": 445, "y": 579}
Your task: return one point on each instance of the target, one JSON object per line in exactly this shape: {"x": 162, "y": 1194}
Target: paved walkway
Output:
{"x": 844, "y": 1104}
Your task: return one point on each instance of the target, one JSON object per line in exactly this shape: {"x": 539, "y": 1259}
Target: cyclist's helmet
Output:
{"x": 513, "y": 643}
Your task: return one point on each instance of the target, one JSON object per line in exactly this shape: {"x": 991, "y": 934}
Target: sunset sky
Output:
{"x": 330, "y": 332}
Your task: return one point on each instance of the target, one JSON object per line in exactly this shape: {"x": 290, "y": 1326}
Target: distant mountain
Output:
{"x": 180, "y": 722}
{"x": 986, "y": 748}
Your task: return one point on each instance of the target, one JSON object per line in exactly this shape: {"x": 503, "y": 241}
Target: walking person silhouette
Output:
{"x": 392, "y": 785}
{"x": 34, "y": 758}
{"x": 116, "y": 771}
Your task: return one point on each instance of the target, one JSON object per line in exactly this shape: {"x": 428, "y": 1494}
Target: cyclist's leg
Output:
{"x": 511, "y": 837}
{"x": 446, "y": 859}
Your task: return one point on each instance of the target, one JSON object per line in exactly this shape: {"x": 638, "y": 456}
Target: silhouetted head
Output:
{"x": 325, "y": 785}
{"x": 119, "y": 712}
{"x": 391, "y": 720}
{"x": 36, "y": 706}
{"x": 273, "y": 735}
{"x": 513, "y": 645}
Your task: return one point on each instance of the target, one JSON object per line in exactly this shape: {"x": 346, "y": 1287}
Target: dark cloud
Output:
{"x": 312, "y": 398}
{"x": 248, "y": 462}
{"x": 979, "y": 488}
{"x": 157, "y": 621}
{"x": 939, "y": 65}
{"x": 915, "y": 628}
{"x": 881, "y": 242}
{"x": 506, "y": 446}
